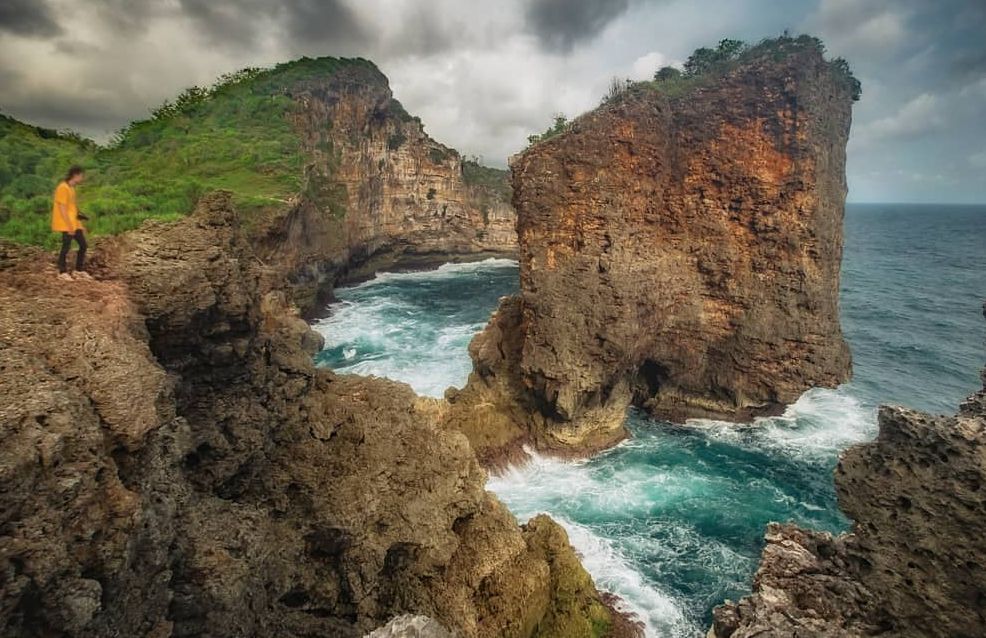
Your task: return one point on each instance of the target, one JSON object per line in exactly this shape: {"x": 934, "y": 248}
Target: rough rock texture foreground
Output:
{"x": 173, "y": 465}
{"x": 913, "y": 564}
{"x": 680, "y": 252}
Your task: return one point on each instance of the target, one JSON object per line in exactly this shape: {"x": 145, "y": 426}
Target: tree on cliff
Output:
{"x": 559, "y": 126}
{"x": 705, "y": 60}
{"x": 667, "y": 73}
{"x": 842, "y": 67}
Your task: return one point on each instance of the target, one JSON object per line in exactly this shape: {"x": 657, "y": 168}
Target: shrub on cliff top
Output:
{"x": 705, "y": 63}
{"x": 558, "y": 127}
{"x": 617, "y": 89}
{"x": 667, "y": 73}
{"x": 705, "y": 60}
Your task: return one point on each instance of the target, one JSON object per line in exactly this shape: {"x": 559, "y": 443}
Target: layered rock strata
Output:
{"x": 378, "y": 191}
{"x": 912, "y": 565}
{"x": 174, "y": 465}
{"x": 679, "y": 250}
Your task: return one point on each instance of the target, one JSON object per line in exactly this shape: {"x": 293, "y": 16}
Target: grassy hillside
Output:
{"x": 234, "y": 135}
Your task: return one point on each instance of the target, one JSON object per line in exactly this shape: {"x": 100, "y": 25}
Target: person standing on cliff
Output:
{"x": 66, "y": 219}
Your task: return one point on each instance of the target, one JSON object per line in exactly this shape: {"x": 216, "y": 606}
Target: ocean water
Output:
{"x": 672, "y": 520}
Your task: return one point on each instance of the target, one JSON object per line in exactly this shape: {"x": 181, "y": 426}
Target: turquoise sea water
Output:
{"x": 672, "y": 520}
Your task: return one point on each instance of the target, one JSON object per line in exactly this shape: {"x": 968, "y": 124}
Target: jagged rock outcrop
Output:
{"x": 913, "y": 564}
{"x": 679, "y": 250}
{"x": 174, "y": 465}
{"x": 378, "y": 190}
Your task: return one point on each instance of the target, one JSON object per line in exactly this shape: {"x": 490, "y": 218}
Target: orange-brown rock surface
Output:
{"x": 378, "y": 191}
{"x": 679, "y": 250}
{"x": 172, "y": 464}
{"x": 912, "y": 565}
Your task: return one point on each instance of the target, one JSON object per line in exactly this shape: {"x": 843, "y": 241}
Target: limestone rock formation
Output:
{"x": 913, "y": 564}
{"x": 174, "y": 465}
{"x": 378, "y": 190}
{"x": 680, "y": 251}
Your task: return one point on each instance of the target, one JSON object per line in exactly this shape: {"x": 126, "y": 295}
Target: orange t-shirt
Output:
{"x": 65, "y": 195}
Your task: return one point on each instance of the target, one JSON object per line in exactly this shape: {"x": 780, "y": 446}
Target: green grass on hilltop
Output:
{"x": 234, "y": 135}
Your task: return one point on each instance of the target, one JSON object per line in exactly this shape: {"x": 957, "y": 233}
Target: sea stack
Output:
{"x": 680, "y": 249}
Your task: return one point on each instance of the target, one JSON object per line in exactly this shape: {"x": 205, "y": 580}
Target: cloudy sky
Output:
{"x": 483, "y": 76}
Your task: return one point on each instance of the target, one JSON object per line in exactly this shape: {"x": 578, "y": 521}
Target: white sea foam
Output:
{"x": 550, "y": 485}
{"x": 821, "y": 423}
{"x": 380, "y": 334}
{"x": 445, "y": 271}
{"x": 373, "y": 344}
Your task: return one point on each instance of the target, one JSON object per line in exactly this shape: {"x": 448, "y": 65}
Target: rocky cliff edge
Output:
{"x": 174, "y": 465}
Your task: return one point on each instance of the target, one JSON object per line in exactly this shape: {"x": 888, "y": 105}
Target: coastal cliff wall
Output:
{"x": 174, "y": 465}
{"x": 912, "y": 565}
{"x": 378, "y": 191}
{"x": 679, "y": 250}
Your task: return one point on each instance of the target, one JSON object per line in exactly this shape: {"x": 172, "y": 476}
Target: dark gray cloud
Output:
{"x": 561, "y": 24}
{"x": 328, "y": 25}
{"x": 424, "y": 31}
{"x": 314, "y": 22}
{"x": 59, "y": 107}
{"x": 129, "y": 17}
{"x": 227, "y": 22}
{"x": 968, "y": 65}
{"x": 28, "y": 18}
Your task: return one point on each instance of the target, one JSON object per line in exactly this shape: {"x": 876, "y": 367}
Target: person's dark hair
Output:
{"x": 73, "y": 171}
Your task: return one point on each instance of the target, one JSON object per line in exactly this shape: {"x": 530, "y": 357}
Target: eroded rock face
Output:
{"x": 173, "y": 464}
{"x": 912, "y": 565}
{"x": 682, "y": 252}
{"x": 378, "y": 190}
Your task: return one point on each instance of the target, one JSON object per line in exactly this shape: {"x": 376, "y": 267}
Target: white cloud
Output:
{"x": 645, "y": 66}
{"x": 854, "y": 29}
{"x": 923, "y": 114}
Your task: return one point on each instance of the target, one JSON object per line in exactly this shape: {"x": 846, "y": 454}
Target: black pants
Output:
{"x": 80, "y": 257}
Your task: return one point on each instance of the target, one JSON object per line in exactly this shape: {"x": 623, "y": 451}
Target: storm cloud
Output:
{"x": 484, "y": 77}
{"x": 301, "y": 23}
{"x": 561, "y": 24}
{"x": 28, "y": 17}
